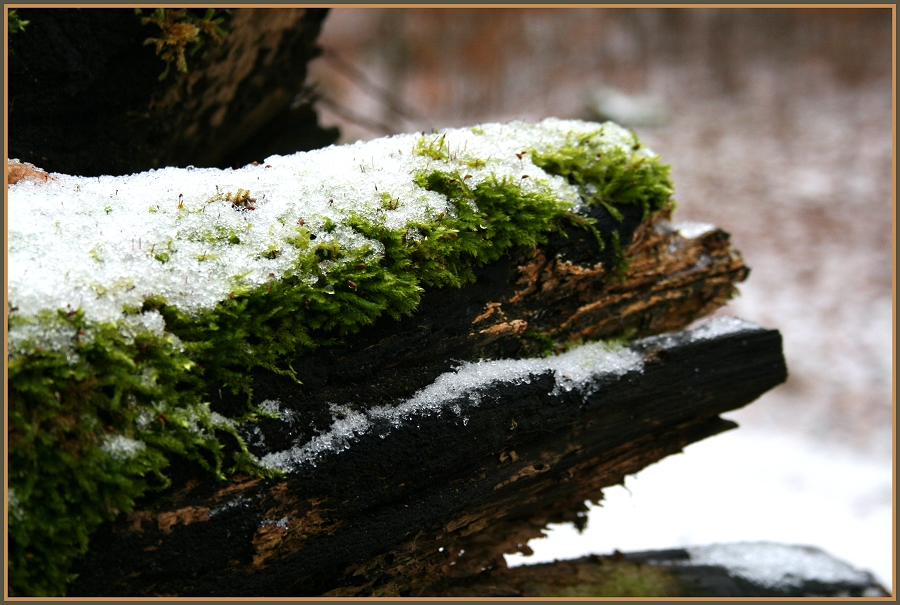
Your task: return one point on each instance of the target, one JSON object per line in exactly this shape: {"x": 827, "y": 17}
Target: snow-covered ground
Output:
{"x": 744, "y": 485}
{"x": 803, "y": 184}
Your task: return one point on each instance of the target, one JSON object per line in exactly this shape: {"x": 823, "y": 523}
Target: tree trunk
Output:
{"x": 85, "y": 96}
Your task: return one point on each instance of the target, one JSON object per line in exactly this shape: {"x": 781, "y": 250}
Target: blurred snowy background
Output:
{"x": 778, "y": 126}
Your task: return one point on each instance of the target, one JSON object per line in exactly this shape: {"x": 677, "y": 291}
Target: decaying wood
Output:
{"x": 670, "y": 282}
{"x": 446, "y": 494}
{"x": 437, "y": 497}
{"x": 238, "y": 106}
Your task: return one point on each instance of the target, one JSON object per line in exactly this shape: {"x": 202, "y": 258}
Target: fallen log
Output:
{"x": 741, "y": 569}
{"x": 443, "y": 484}
{"x": 353, "y": 371}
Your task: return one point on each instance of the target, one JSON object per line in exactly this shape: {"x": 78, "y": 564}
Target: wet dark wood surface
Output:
{"x": 443, "y": 494}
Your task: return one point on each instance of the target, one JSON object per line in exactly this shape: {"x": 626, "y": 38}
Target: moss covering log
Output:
{"x": 342, "y": 279}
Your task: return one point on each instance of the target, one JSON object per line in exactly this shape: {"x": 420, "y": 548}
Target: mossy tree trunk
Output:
{"x": 85, "y": 96}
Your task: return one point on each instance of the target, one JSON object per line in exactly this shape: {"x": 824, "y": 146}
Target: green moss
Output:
{"x": 622, "y": 262}
{"x": 120, "y": 380}
{"x": 15, "y": 23}
{"x": 490, "y": 218}
{"x": 542, "y": 343}
{"x": 63, "y": 409}
{"x": 435, "y": 147}
{"x": 621, "y": 579}
{"x": 182, "y": 31}
{"x": 610, "y": 177}
{"x": 388, "y": 202}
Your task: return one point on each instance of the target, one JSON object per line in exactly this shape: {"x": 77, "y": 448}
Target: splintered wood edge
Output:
{"x": 16, "y": 171}
{"x": 671, "y": 281}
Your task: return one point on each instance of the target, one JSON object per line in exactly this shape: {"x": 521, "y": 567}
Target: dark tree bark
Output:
{"x": 481, "y": 475}
{"x": 85, "y": 98}
{"x": 442, "y": 495}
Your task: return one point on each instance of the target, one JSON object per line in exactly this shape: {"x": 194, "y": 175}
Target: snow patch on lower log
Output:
{"x": 581, "y": 369}
{"x": 691, "y": 230}
{"x": 719, "y": 326}
{"x": 575, "y": 369}
{"x": 778, "y": 565}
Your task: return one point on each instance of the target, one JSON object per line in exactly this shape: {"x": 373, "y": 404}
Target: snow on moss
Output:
{"x": 130, "y": 298}
{"x": 120, "y": 446}
{"x": 104, "y": 244}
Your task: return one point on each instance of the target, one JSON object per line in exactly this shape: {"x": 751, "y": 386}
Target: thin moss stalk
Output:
{"x": 180, "y": 32}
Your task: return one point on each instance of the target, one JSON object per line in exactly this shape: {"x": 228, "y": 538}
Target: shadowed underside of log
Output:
{"x": 444, "y": 493}
{"x": 385, "y": 505}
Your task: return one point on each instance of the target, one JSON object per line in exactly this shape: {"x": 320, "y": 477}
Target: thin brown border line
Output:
{"x": 5, "y": 305}
{"x": 468, "y": 599}
{"x": 893, "y": 8}
{"x": 617, "y": 5}
{"x": 894, "y": 295}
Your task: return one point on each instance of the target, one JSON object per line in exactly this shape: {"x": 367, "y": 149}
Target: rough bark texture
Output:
{"x": 447, "y": 494}
{"x": 562, "y": 291}
{"x": 85, "y": 99}
{"x": 435, "y": 498}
